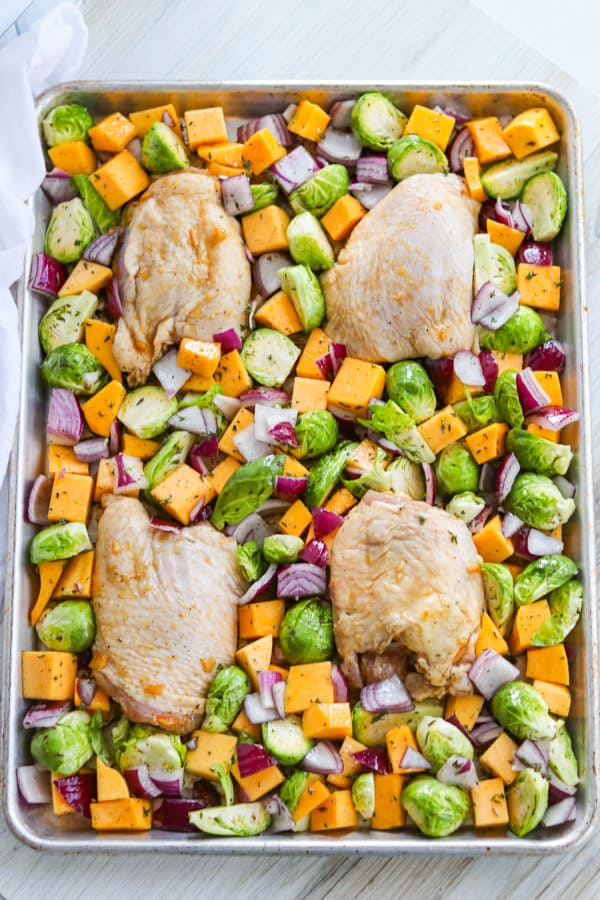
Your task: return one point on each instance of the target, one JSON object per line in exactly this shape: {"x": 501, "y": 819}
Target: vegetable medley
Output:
{"x": 275, "y": 435}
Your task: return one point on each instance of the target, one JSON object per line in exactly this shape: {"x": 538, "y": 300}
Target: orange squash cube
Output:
{"x": 548, "y": 664}
{"x": 327, "y": 721}
{"x": 472, "y": 172}
{"x": 279, "y": 313}
{"x": 539, "y": 286}
{"x": 71, "y": 498}
{"x": 526, "y": 622}
{"x": 266, "y": 230}
{"x": 306, "y": 684}
{"x": 389, "y": 812}
{"x": 144, "y": 118}
{"x": 430, "y": 124}
{"x": 309, "y": 394}
{"x": 442, "y": 429}
{"x": 489, "y": 142}
{"x": 205, "y": 126}
{"x": 260, "y": 151}
{"x": 489, "y": 804}
{"x": 74, "y": 157}
{"x": 343, "y": 216}
{"x": 181, "y": 491}
{"x": 309, "y": 121}
{"x": 120, "y": 179}
{"x": 316, "y": 346}
{"x": 489, "y": 638}
{"x": 355, "y": 384}
{"x": 256, "y": 620}
{"x": 199, "y": 357}
{"x": 296, "y": 519}
{"x": 466, "y": 709}
{"x": 63, "y": 459}
{"x": 337, "y": 811}
{"x": 261, "y": 783}
{"x": 531, "y": 130}
{"x": 509, "y": 238}
{"x": 498, "y": 758}
{"x": 351, "y": 767}
{"x": 112, "y": 134}
{"x": 491, "y": 544}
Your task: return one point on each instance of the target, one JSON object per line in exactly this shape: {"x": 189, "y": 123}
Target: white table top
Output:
{"x": 280, "y": 39}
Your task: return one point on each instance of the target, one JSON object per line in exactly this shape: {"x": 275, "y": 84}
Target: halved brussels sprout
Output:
{"x": 269, "y": 356}
{"x": 146, "y": 745}
{"x": 400, "y": 429}
{"x": 250, "y": 560}
{"x": 65, "y": 318}
{"x": 455, "y": 470}
{"x": 292, "y": 788}
{"x": 538, "y": 502}
{"x": 317, "y": 432}
{"x": 59, "y": 542}
{"x": 546, "y": 197}
{"x": 225, "y": 697}
{"x": 565, "y": 607}
{"x": 542, "y": 576}
{"x": 238, "y": 820}
{"x": 68, "y": 122}
{"x": 246, "y": 490}
{"x": 499, "y": 594}
{"x": 325, "y": 473}
{"x": 282, "y": 548}
{"x": 65, "y": 747}
{"x": 406, "y": 477}
{"x": 437, "y": 809}
{"x": 73, "y": 367}
{"x": 415, "y": 155}
{"x": 376, "y": 123}
{"x": 146, "y": 411}
{"x": 264, "y": 194}
{"x": 523, "y": 331}
{"x": 527, "y": 801}
{"x": 306, "y": 632}
{"x": 507, "y": 400}
{"x": 68, "y": 626}
{"x": 171, "y": 455}
{"x": 285, "y": 739}
{"x": 477, "y": 412}
{"x": 539, "y": 454}
{"x": 409, "y": 385}
{"x": 375, "y": 479}
{"x": 319, "y": 192}
{"x": 493, "y": 263}
{"x": 163, "y": 150}
{"x": 371, "y": 728}
{"x": 308, "y": 243}
{"x": 465, "y": 506}
{"x": 363, "y": 795}
{"x": 522, "y": 710}
{"x": 304, "y": 290}
{"x": 561, "y": 758}
{"x": 439, "y": 740}
{"x": 69, "y": 231}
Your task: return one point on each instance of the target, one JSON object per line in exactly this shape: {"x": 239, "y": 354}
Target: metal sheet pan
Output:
{"x": 37, "y": 826}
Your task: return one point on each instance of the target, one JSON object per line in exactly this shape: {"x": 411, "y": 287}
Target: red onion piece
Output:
{"x": 486, "y": 732}
{"x": 505, "y": 478}
{"x": 38, "y": 501}
{"x": 324, "y": 521}
{"x": 196, "y": 420}
{"x": 459, "y": 770}
{"x": 168, "y": 783}
{"x": 503, "y": 212}
{"x": 323, "y": 759}
{"x": 467, "y": 369}
{"x": 370, "y": 194}
{"x": 282, "y": 819}
{"x": 536, "y": 253}
{"x": 460, "y": 146}
{"x": 34, "y": 785}
{"x": 342, "y": 147}
{"x": 47, "y": 275}
{"x": 229, "y": 406}
{"x": 113, "y": 305}
{"x": 249, "y": 445}
{"x": 372, "y": 168}
{"x": 114, "y": 438}
{"x": 289, "y": 112}
{"x": 196, "y": 461}
{"x": 236, "y": 194}
{"x": 325, "y": 366}
{"x": 487, "y": 211}
{"x": 173, "y": 813}
{"x": 476, "y": 524}
{"x": 278, "y": 692}
{"x": 47, "y": 714}
{"x": 492, "y": 307}
{"x": 511, "y": 524}
{"x": 522, "y": 217}
{"x": 534, "y": 754}
{"x": 102, "y": 249}
{"x": 266, "y": 681}
{"x": 489, "y": 367}
{"x": 273, "y": 122}
{"x": 201, "y": 512}
{"x": 294, "y": 169}
{"x": 267, "y": 396}
{"x": 251, "y": 259}
{"x": 520, "y": 541}
{"x": 284, "y": 435}
{"x": 315, "y": 552}
{"x": 228, "y": 339}
{"x": 340, "y": 685}
{"x": 490, "y": 671}
{"x": 252, "y": 528}
{"x": 253, "y": 758}
{"x": 58, "y": 187}
{"x": 135, "y": 148}
{"x": 129, "y": 474}
{"x": 78, "y": 791}
{"x": 429, "y": 473}
{"x": 290, "y": 487}
{"x": 541, "y": 544}
{"x": 265, "y": 272}
{"x": 532, "y": 395}
{"x": 557, "y": 789}
{"x": 86, "y": 687}
{"x": 560, "y": 813}
{"x": 343, "y": 415}
{"x": 256, "y": 712}
{"x": 91, "y": 450}
{"x": 487, "y": 477}
{"x": 260, "y": 586}
{"x": 387, "y": 695}
{"x": 454, "y": 720}
{"x": 341, "y": 113}
{"x": 138, "y": 779}
{"x": 548, "y": 357}
{"x": 209, "y": 448}
{"x": 301, "y": 580}
{"x": 554, "y": 418}
{"x": 440, "y": 371}
{"x": 165, "y": 525}
{"x": 374, "y": 759}
{"x": 170, "y": 375}
{"x": 414, "y": 760}
{"x": 65, "y": 420}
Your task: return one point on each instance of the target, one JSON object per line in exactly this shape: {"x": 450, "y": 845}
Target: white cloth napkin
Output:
{"x": 51, "y": 51}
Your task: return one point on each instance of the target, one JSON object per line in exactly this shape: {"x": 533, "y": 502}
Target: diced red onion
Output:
{"x": 487, "y": 477}
{"x": 560, "y": 813}
{"x": 387, "y": 695}
{"x": 486, "y": 732}
{"x": 477, "y": 523}
{"x": 229, "y": 340}
{"x": 195, "y": 420}
{"x": 412, "y": 759}
{"x": 289, "y": 487}
{"x": 265, "y": 272}
{"x": 554, "y": 418}
{"x": 503, "y": 212}
{"x": 129, "y": 474}
{"x": 534, "y": 755}
{"x": 342, "y": 147}
{"x": 47, "y": 275}
{"x": 440, "y": 371}
{"x": 489, "y": 672}
{"x": 196, "y": 461}
{"x": 135, "y": 148}
{"x": 541, "y": 544}
{"x": 282, "y": 819}
{"x": 165, "y": 525}
{"x": 114, "y": 438}
{"x": 315, "y": 552}
{"x": 323, "y": 759}
{"x": 341, "y": 113}
{"x": 460, "y": 146}
{"x": 236, "y": 194}
{"x": 207, "y": 448}
{"x": 170, "y": 375}
{"x": 520, "y": 540}
{"x": 47, "y": 714}
{"x": 173, "y": 813}
{"x": 467, "y": 369}
{"x": 260, "y": 586}
{"x": 78, "y": 791}
{"x": 267, "y": 396}
{"x": 266, "y": 681}
{"x": 370, "y": 194}
{"x": 344, "y": 415}
{"x": 340, "y": 685}
{"x": 459, "y": 118}
{"x": 429, "y": 474}
{"x": 91, "y": 450}
{"x": 566, "y": 488}
{"x": 38, "y": 501}
{"x": 65, "y": 420}
{"x": 86, "y": 687}
{"x": 284, "y": 435}
{"x": 267, "y": 418}
{"x": 506, "y": 475}
{"x": 34, "y": 785}
{"x": 522, "y": 218}
{"x": 487, "y": 211}
{"x": 249, "y": 446}
{"x": 113, "y": 305}
{"x": 536, "y": 253}
{"x": 199, "y": 513}
{"x": 548, "y": 357}
{"x": 169, "y": 783}
{"x": 253, "y": 758}
{"x": 294, "y": 169}
{"x": 252, "y": 528}
{"x": 229, "y": 406}
{"x": 58, "y": 187}
{"x": 256, "y": 712}
{"x": 459, "y": 770}
{"x": 251, "y": 259}
{"x": 324, "y": 521}
{"x": 278, "y": 693}
{"x": 492, "y": 307}
{"x": 273, "y": 122}
{"x": 102, "y": 249}
{"x": 375, "y": 759}
{"x": 511, "y": 524}
{"x": 289, "y": 112}
{"x": 532, "y": 395}
{"x": 557, "y": 789}
{"x": 454, "y": 720}
{"x": 301, "y": 580}
{"x": 138, "y": 779}
{"x": 489, "y": 367}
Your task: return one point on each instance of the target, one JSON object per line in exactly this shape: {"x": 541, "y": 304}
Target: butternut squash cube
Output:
{"x": 205, "y": 126}
{"x": 71, "y": 498}
{"x": 142, "y": 448}
{"x": 351, "y": 767}
{"x": 60, "y": 807}
{"x": 341, "y": 219}
{"x": 397, "y": 741}
{"x": 539, "y": 286}
{"x": 296, "y": 519}
{"x": 222, "y": 472}
{"x": 100, "y": 701}
{"x": 255, "y": 658}
{"x": 219, "y": 169}
{"x": 105, "y": 479}
{"x": 99, "y": 338}
{"x": 211, "y": 749}
{"x": 454, "y": 391}
{"x": 466, "y": 709}
{"x": 74, "y": 157}
{"x": 144, "y": 118}
{"x": 199, "y": 383}
{"x": 526, "y": 622}
{"x": 327, "y": 721}
{"x": 557, "y": 697}
{"x": 293, "y": 467}
{"x": 200, "y": 357}
{"x": 306, "y": 684}
{"x": 231, "y": 374}
{"x": 243, "y": 724}
{"x": 489, "y": 638}
{"x": 63, "y": 459}
{"x": 76, "y": 579}
{"x": 314, "y": 794}
{"x": 316, "y": 346}
{"x": 86, "y": 276}
{"x": 472, "y": 173}
{"x": 243, "y": 419}
{"x": 509, "y": 238}
{"x": 309, "y": 121}
{"x": 337, "y": 811}
{"x": 534, "y": 428}
{"x": 266, "y": 230}
{"x": 49, "y": 574}
{"x": 508, "y": 360}
{"x": 550, "y": 382}
{"x": 389, "y": 812}
{"x": 228, "y": 153}
{"x": 100, "y": 411}
{"x": 256, "y": 620}
{"x": 442, "y": 429}
{"x": 48, "y": 674}
{"x": 260, "y": 151}
{"x": 548, "y": 664}
{"x": 261, "y": 783}
{"x": 181, "y": 491}
{"x": 488, "y": 139}
{"x": 356, "y": 383}
{"x": 531, "y": 130}
{"x": 120, "y": 179}
{"x": 309, "y": 394}
{"x": 279, "y": 313}
{"x": 112, "y": 133}
{"x": 131, "y": 814}
{"x": 489, "y": 804}
{"x": 498, "y": 758}
{"x": 430, "y": 124}
{"x": 110, "y": 783}
{"x": 363, "y": 458}
{"x": 491, "y": 544}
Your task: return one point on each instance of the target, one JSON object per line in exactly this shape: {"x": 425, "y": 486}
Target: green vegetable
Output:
{"x": 59, "y": 542}
{"x": 282, "y": 548}
{"x": 73, "y": 367}
{"x": 67, "y": 626}
{"x": 171, "y": 455}
{"x": 538, "y": 502}
{"x": 146, "y": 745}
{"x": 436, "y": 809}
{"x": 304, "y": 290}
{"x": 439, "y": 740}
{"x": 522, "y": 332}
{"x": 285, "y": 739}
{"x": 239, "y": 820}
{"x": 146, "y": 411}
{"x": 406, "y": 477}
{"x": 507, "y": 398}
{"x": 493, "y": 263}
{"x": 99, "y": 740}
{"x": 527, "y": 801}
{"x": 317, "y": 432}
{"x": 246, "y": 490}
{"x": 456, "y": 470}
{"x": 65, "y": 747}
{"x": 223, "y": 773}
{"x": 319, "y": 192}
{"x": 104, "y": 217}
{"x": 506, "y": 179}
{"x": 477, "y": 412}
{"x": 119, "y": 732}
{"x": 561, "y": 758}
{"x": 465, "y": 506}
{"x": 565, "y": 607}
{"x": 163, "y": 150}
{"x": 306, "y": 632}
{"x": 250, "y": 560}
{"x": 539, "y": 454}
{"x": 308, "y": 243}
{"x": 375, "y": 479}
{"x": 409, "y": 385}
{"x": 499, "y": 594}
{"x": 264, "y": 194}
{"x": 363, "y": 795}
{"x": 269, "y": 356}
{"x": 292, "y": 788}
{"x": 415, "y": 155}
{"x": 69, "y": 231}
{"x": 371, "y": 728}
{"x": 225, "y": 697}
{"x": 400, "y": 429}
{"x": 522, "y": 710}
{"x": 68, "y": 122}
{"x": 205, "y": 400}
{"x": 376, "y": 123}
{"x": 64, "y": 320}
{"x": 546, "y": 197}
{"x": 542, "y": 576}
{"x": 325, "y": 473}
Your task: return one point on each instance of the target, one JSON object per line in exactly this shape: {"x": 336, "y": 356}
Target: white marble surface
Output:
{"x": 284, "y": 39}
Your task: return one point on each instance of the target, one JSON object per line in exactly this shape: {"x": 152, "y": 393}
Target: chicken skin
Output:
{"x": 166, "y": 614}
{"x": 180, "y": 268}
{"x": 404, "y": 572}
{"x": 402, "y": 285}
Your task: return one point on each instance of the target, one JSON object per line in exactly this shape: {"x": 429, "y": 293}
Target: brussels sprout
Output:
{"x": 73, "y": 367}
{"x": 409, "y": 386}
{"x": 59, "y": 542}
{"x": 565, "y": 607}
{"x": 507, "y": 400}
{"x": 223, "y": 773}
{"x": 456, "y": 470}
{"x": 317, "y": 432}
{"x": 163, "y": 150}
{"x": 304, "y": 290}
{"x": 306, "y": 632}
{"x": 499, "y": 594}
{"x": 406, "y": 477}
{"x": 67, "y": 626}
{"x": 439, "y": 740}
{"x": 542, "y": 576}
{"x": 225, "y": 697}
{"x": 146, "y": 745}
{"x": 477, "y": 412}
{"x": 250, "y": 560}
{"x": 546, "y": 197}
{"x": 493, "y": 263}
{"x": 99, "y": 739}
{"x": 282, "y": 548}
{"x": 325, "y": 473}
{"x": 146, "y": 411}
{"x": 400, "y": 429}
{"x": 371, "y": 728}
{"x": 415, "y": 155}
{"x": 561, "y": 758}
{"x": 118, "y": 734}
{"x": 465, "y": 506}
{"x": 239, "y": 820}
{"x": 104, "y": 217}
{"x": 376, "y": 123}
{"x": 285, "y": 739}
{"x": 264, "y": 194}
{"x": 269, "y": 356}
{"x": 246, "y": 490}
{"x": 69, "y": 122}
{"x": 527, "y": 801}
{"x": 63, "y": 322}
{"x": 436, "y": 809}
{"x": 538, "y": 502}
{"x": 308, "y": 243}
{"x": 319, "y": 192}
{"x": 538, "y": 454}
{"x": 69, "y": 231}
{"x": 363, "y": 795}
{"x": 522, "y": 710}
{"x": 522, "y": 332}
{"x": 65, "y": 747}
{"x": 292, "y": 788}
{"x": 375, "y": 479}
{"x": 171, "y": 455}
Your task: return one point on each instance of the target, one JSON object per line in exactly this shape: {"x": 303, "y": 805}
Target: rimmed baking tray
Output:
{"x": 37, "y": 826}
